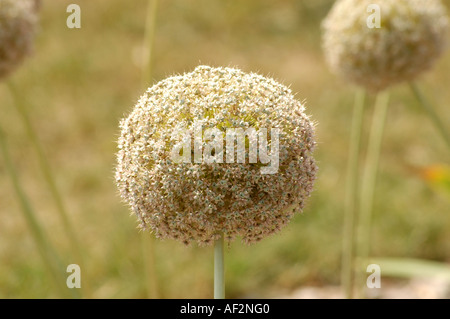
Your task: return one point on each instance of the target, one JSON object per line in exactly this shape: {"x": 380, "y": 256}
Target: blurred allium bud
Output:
{"x": 411, "y": 37}
{"x": 195, "y": 200}
{"x": 18, "y": 21}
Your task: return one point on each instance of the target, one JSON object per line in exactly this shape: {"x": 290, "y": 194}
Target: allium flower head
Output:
{"x": 410, "y": 38}
{"x": 18, "y": 22}
{"x": 197, "y": 201}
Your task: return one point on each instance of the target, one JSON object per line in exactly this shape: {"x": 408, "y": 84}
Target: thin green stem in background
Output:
{"x": 431, "y": 112}
{"x": 49, "y": 257}
{"x": 150, "y": 30}
{"x": 347, "y": 270}
{"x": 369, "y": 178}
{"x": 148, "y": 242}
{"x": 219, "y": 269}
{"x": 44, "y": 165}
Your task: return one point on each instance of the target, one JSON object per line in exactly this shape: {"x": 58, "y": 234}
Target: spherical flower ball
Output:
{"x": 409, "y": 38}
{"x": 198, "y": 199}
{"x": 18, "y": 22}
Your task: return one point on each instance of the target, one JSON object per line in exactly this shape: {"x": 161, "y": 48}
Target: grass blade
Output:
{"x": 47, "y": 253}
{"x": 49, "y": 178}
{"x": 431, "y": 112}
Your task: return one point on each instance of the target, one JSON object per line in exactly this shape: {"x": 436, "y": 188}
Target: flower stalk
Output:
{"x": 219, "y": 269}
{"x": 369, "y": 177}
{"x": 348, "y": 253}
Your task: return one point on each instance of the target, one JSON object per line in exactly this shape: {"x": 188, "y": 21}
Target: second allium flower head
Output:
{"x": 411, "y": 37}
{"x": 18, "y": 21}
{"x": 199, "y": 201}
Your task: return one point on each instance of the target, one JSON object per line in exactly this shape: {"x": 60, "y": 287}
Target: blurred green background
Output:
{"x": 80, "y": 82}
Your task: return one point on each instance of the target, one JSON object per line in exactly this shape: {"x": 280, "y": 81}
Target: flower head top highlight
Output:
{"x": 198, "y": 200}
{"x": 410, "y": 38}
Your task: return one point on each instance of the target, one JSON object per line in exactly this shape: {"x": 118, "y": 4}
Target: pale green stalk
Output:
{"x": 347, "y": 268}
{"x": 48, "y": 255}
{"x": 431, "y": 112}
{"x": 49, "y": 178}
{"x": 148, "y": 242}
{"x": 219, "y": 269}
{"x": 150, "y": 30}
{"x": 369, "y": 178}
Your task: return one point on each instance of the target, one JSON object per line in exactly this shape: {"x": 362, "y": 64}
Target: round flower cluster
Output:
{"x": 18, "y": 21}
{"x": 199, "y": 200}
{"x": 410, "y": 37}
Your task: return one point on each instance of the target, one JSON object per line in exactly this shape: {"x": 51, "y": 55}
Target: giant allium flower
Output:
{"x": 196, "y": 200}
{"x": 410, "y": 39}
{"x": 18, "y": 21}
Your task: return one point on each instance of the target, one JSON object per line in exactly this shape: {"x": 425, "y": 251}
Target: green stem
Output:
{"x": 219, "y": 269}
{"x": 147, "y": 70}
{"x": 47, "y": 253}
{"x": 351, "y": 196}
{"x": 431, "y": 112}
{"x": 49, "y": 178}
{"x": 149, "y": 38}
{"x": 369, "y": 177}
